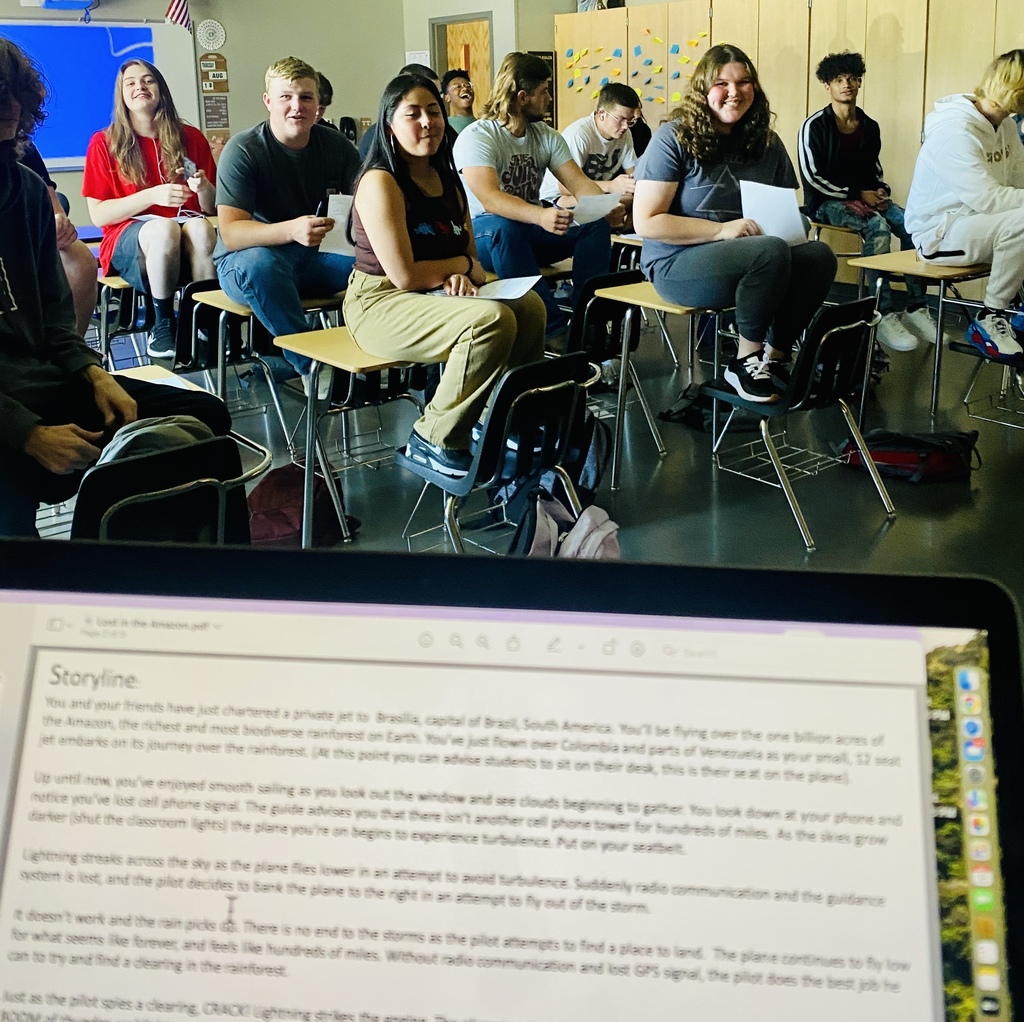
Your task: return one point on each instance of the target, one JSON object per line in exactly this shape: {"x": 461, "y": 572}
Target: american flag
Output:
{"x": 177, "y": 12}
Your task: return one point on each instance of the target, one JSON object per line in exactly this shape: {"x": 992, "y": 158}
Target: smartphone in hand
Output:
{"x": 190, "y": 167}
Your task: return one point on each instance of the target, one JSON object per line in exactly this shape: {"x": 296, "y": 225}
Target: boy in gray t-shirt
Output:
{"x": 273, "y": 182}
{"x": 502, "y": 159}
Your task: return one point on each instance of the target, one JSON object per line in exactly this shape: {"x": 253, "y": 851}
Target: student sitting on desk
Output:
{"x": 412, "y": 233}
{"x": 699, "y": 249}
{"x": 272, "y": 192}
{"x": 78, "y": 262}
{"x": 57, "y": 404}
{"x": 502, "y": 158}
{"x": 966, "y": 202}
{"x": 149, "y": 164}
{"x": 839, "y": 149}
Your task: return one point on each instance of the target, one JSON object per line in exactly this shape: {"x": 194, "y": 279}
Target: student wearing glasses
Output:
{"x": 839, "y": 150}
{"x": 459, "y": 94}
{"x": 601, "y": 143}
{"x": 148, "y": 180}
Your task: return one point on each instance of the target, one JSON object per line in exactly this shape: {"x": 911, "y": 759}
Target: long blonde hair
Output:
{"x": 518, "y": 71}
{"x": 124, "y": 142}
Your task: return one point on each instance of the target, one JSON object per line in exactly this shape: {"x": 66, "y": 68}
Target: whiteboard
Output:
{"x": 80, "y": 63}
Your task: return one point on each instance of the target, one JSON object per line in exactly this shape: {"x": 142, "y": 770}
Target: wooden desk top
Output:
{"x": 908, "y": 263}
{"x": 644, "y": 295}
{"x": 335, "y": 347}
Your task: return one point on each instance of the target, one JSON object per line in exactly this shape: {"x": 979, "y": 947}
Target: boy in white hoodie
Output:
{"x": 966, "y": 202}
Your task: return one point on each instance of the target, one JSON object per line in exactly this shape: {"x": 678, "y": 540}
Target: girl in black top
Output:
{"x": 412, "y": 234}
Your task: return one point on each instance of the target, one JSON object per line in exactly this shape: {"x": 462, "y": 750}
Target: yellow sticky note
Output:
{"x": 595, "y": 94}
{"x": 657, "y": 70}
{"x": 569, "y": 65}
{"x": 657, "y": 40}
{"x": 684, "y": 60}
{"x": 703, "y": 35}
{"x": 659, "y": 99}
{"x": 676, "y": 97}
{"x": 607, "y": 60}
{"x": 579, "y": 88}
{"x": 693, "y": 42}
{"x": 639, "y": 92}
{"x": 576, "y": 59}
{"x": 584, "y": 52}
{"x": 598, "y": 49}
{"x": 616, "y": 70}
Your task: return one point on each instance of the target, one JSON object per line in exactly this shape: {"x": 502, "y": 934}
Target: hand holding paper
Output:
{"x": 336, "y": 240}
{"x": 775, "y": 211}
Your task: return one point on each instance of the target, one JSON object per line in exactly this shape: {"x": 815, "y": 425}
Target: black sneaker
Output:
{"x": 447, "y": 461}
{"x": 778, "y": 370}
{"x": 160, "y": 343}
{"x": 751, "y": 380}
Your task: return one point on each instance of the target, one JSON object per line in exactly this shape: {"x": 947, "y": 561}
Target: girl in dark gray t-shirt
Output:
{"x": 699, "y": 250}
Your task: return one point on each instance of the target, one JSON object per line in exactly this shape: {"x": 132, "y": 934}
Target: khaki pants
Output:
{"x": 477, "y": 339}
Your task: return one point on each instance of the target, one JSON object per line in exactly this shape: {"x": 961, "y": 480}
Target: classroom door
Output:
{"x": 467, "y": 45}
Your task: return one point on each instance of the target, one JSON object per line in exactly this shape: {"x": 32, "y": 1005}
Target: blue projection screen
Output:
{"x": 80, "y": 62}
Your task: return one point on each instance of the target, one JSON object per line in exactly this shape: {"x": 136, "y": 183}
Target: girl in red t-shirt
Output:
{"x": 149, "y": 178}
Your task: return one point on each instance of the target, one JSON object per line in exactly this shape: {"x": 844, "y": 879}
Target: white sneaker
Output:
{"x": 921, "y": 323}
{"x": 323, "y": 390}
{"x": 894, "y": 335}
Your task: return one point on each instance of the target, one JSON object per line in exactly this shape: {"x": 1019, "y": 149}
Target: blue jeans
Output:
{"x": 513, "y": 249}
{"x": 876, "y": 231}
{"x": 272, "y": 280}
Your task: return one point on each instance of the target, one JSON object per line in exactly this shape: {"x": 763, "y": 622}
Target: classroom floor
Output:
{"x": 678, "y": 509}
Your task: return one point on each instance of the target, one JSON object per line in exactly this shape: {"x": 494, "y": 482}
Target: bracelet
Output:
{"x": 469, "y": 264}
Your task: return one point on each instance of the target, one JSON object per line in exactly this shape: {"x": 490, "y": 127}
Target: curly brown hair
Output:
{"x": 20, "y": 80}
{"x": 697, "y": 132}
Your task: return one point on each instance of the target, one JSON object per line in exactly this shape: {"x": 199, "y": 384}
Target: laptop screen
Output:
{"x": 336, "y": 810}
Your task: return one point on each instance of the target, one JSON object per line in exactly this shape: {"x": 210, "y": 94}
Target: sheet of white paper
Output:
{"x": 775, "y": 210}
{"x": 336, "y": 240}
{"x": 593, "y": 207}
{"x": 497, "y": 290}
{"x": 181, "y": 218}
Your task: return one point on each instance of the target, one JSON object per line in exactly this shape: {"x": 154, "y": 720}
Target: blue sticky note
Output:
{"x": 659, "y": 86}
{"x": 568, "y": 84}
{"x": 637, "y": 50}
{"x": 649, "y": 60}
{"x": 604, "y": 81}
{"x": 674, "y": 48}
{"x": 617, "y": 53}
{"x": 586, "y": 81}
{"x": 647, "y": 82}
{"x": 569, "y": 52}
{"x": 675, "y": 74}
{"x": 634, "y": 74}
{"x": 648, "y": 99}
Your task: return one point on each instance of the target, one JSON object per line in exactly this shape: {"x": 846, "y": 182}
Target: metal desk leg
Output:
{"x": 310, "y": 466}
{"x": 620, "y": 407}
{"x": 223, "y": 340}
{"x": 938, "y": 347}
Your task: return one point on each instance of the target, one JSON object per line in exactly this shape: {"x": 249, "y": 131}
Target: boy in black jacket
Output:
{"x": 839, "y": 150}
{"x": 57, "y": 404}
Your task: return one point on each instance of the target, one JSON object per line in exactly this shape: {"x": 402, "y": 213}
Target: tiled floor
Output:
{"x": 679, "y": 510}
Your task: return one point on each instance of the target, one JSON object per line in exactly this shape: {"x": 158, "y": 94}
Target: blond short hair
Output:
{"x": 1003, "y": 82}
{"x": 290, "y": 69}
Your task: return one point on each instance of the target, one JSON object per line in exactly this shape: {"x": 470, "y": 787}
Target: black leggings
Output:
{"x": 772, "y": 286}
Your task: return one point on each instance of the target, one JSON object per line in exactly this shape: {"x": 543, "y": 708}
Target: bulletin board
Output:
{"x": 653, "y": 48}
{"x": 80, "y": 62}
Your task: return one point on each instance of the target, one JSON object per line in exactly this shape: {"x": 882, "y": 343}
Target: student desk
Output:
{"x": 907, "y": 264}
